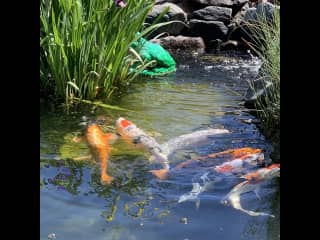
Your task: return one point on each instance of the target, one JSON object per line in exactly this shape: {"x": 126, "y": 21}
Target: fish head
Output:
{"x": 225, "y": 201}
{"x": 124, "y": 129}
{"x": 122, "y": 124}
{"x": 274, "y": 171}
{"x": 255, "y": 159}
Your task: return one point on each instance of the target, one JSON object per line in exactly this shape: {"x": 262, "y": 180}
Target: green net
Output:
{"x": 148, "y": 51}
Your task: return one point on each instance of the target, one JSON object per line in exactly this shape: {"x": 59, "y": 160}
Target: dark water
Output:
{"x": 74, "y": 205}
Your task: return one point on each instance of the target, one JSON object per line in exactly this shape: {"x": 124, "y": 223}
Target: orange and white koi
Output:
{"x": 99, "y": 144}
{"x": 231, "y": 167}
{"x": 237, "y": 155}
{"x": 253, "y": 182}
{"x": 238, "y": 164}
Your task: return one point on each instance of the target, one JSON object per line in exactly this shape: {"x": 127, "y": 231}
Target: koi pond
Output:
{"x": 200, "y": 95}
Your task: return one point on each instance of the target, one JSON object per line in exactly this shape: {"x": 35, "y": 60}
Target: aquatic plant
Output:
{"x": 266, "y": 43}
{"x": 84, "y": 46}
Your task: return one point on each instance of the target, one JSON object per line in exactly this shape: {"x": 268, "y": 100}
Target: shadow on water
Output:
{"x": 74, "y": 205}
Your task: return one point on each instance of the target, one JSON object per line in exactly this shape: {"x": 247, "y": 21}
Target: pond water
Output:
{"x": 74, "y": 205}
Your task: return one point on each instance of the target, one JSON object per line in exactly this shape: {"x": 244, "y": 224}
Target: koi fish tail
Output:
{"x": 160, "y": 173}
{"x": 234, "y": 200}
{"x": 255, "y": 214}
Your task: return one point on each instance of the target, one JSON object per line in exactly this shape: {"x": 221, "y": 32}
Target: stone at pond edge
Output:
{"x": 213, "y": 13}
{"x": 174, "y": 13}
{"x": 220, "y": 3}
{"x": 208, "y": 30}
{"x": 185, "y": 45}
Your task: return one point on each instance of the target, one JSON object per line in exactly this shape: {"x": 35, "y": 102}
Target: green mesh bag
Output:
{"x": 149, "y": 51}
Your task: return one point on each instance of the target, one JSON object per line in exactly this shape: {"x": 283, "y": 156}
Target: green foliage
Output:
{"x": 84, "y": 46}
{"x": 267, "y": 45}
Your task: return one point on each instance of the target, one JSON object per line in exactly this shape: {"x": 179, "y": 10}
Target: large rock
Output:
{"x": 263, "y": 9}
{"x": 208, "y": 30}
{"x": 213, "y": 13}
{"x": 168, "y": 1}
{"x": 182, "y": 44}
{"x": 221, "y": 3}
{"x": 174, "y": 13}
{"x": 239, "y": 16}
{"x": 193, "y": 5}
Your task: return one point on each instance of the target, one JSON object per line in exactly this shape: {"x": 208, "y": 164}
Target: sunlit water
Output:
{"x": 74, "y": 205}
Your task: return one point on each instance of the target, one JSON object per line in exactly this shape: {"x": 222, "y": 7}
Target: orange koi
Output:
{"x": 236, "y": 153}
{"x": 99, "y": 143}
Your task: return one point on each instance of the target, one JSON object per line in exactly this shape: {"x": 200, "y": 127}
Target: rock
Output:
{"x": 239, "y": 16}
{"x": 229, "y": 45}
{"x": 174, "y": 13}
{"x": 221, "y": 3}
{"x": 208, "y": 30}
{"x": 213, "y": 13}
{"x": 168, "y": 1}
{"x": 262, "y": 9}
{"x": 182, "y": 44}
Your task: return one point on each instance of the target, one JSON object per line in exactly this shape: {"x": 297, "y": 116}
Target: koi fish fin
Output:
{"x": 160, "y": 173}
{"x": 249, "y": 176}
{"x": 78, "y": 139}
{"x": 235, "y": 203}
{"x": 106, "y": 179}
{"x": 192, "y": 195}
{"x": 256, "y": 191}
{"x": 205, "y": 178}
{"x": 197, "y": 203}
{"x": 255, "y": 214}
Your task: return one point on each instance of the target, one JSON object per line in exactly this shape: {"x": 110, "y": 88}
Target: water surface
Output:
{"x": 74, "y": 205}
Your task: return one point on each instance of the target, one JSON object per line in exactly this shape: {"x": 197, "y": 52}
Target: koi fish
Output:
{"x": 137, "y": 137}
{"x": 159, "y": 153}
{"x": 243, "y": 156}
{"x": 238, "y": 164}
{"x": 187, "y": 140}
{"x": 197, "y": 189}
{"x": 237, "y": 155}
{"x": 253, "y": 182}
{"x": 99, "y": 144}
{"x": 231, "y": 167}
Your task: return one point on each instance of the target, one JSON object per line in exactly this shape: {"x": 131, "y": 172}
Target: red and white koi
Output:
{"x": 253, "y": 182}
{"x": 237, "y": 165}
{"x": 134, "y": 135}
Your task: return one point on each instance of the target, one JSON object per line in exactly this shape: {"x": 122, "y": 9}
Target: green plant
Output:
{"x": 84, "y": 45}
{"x": 266, "y": 43}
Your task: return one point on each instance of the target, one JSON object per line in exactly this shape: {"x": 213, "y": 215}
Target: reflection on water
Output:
{"x": 74, "y": 205}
